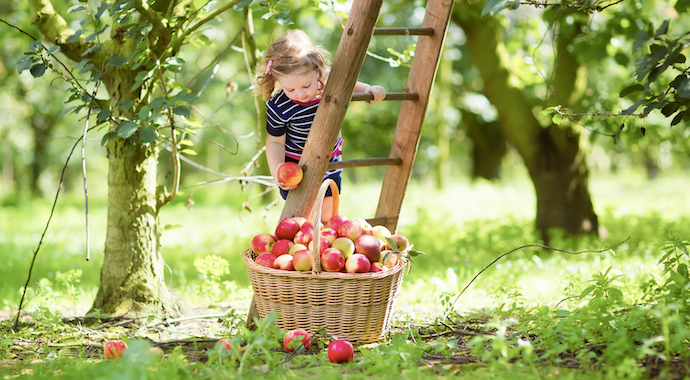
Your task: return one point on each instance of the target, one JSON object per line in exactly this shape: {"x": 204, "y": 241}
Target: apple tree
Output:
{"x": 124, "y": 79}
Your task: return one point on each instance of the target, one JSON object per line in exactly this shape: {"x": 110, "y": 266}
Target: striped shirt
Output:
{"x": 293, "y": 119}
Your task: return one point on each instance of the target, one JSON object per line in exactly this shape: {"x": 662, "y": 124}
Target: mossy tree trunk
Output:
{"x": 552, "y": 153}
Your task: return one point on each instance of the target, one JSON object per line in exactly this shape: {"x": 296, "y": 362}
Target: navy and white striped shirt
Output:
{"x": 286, "y": 116}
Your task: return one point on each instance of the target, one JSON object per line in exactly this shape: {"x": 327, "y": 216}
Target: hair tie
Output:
{"x": 269, "y": 66}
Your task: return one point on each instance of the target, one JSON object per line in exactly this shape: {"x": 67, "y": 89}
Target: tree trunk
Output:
{"x": 488, "y": 146}
{"x": 552, "y": 153}
{"x": 132, "y": 275}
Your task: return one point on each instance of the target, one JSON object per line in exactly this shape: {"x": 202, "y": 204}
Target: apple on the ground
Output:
{"x": 369, "y": 246}
{"x": 336, "y": 221}
{"x": 357, "y": 263}
{"x": 296, "y": 247}
{"x": 287, "y": 228}
{"x": 266, "y": 259}
{"x": 281, "y": 247}
{"x": 296, "y": 338}
{"x": 156, "y": 352}
{"x": 303, "y": 260}
{"x": 332, "y": 260}
{"x": 114, "y": 348}
{"x": 263, "y": 243}
{"x": 350, "y": 228}
{"x": 345, "y": 245}
{"x": 329, "y": 234}
{"x": 283, "y": 262}
{"x": 289, "y": 174}
{"x": 340, "y": 351}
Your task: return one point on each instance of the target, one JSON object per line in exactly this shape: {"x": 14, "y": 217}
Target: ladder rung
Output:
{"x": 402, "y": 31}
{"x": 374, "y": 161}
{"x": 364, "y": 96}
{"x": 383, "y": 221}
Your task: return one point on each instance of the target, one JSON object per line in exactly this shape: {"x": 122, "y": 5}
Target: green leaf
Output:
{"x": 117, "y": 61}
{"x": 678, "y": 118}
{"x": 103, "y": 115}
{"x": 172, "y": 226}
{"x": 189, "y": 152}
{"x": 682, "y": 248}
{"x": 182, "y": 111}
{"x": 127, "y": 129}
{"x": 392, "y": 244}
{"x": 148, "y": 134}
{"x": 24, "y": 63}
{"x": 75, "y": 36}
{"x": 108, "y": 136}
{"x": 53, "y": 49}
{"x": 642, "y": 37}
{"x": 682, "y": 6}
{"x": 38, "y": 70}
{"x": 631, "y": 90}
{"x": 587, "y": 290}
{"x": 127, "y": 104}
{"x": 663, "y": 29}
{"x": 76, "y": 8}
{"x": 494, "y": 6}
{"x": 174, "y": 64}
{"x": 557, "y": 118}
{"x": 615, "y": 294}
{"x": 669, "y": 109}
{"x": 630, "y": 110}
{"x": 283, "y": 19}
{"x": 683, "y": 87}
{"x": 242, "y": 4}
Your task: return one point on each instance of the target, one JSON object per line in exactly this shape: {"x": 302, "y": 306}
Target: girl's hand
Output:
{"x": 378, "y": 91}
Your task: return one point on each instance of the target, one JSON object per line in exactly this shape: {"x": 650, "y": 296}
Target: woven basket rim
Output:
{"x": 253, "y": 266}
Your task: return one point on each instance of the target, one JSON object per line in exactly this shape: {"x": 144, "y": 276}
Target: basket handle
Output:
{"x": 316, "y": 212}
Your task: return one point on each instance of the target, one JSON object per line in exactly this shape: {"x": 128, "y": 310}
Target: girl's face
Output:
{"x": 300, "y": 87}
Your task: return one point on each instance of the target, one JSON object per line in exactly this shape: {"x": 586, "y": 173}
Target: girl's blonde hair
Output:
{"x": 293, "y": 53}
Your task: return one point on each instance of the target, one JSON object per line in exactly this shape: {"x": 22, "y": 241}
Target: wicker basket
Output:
{"x": 357, "y": 307}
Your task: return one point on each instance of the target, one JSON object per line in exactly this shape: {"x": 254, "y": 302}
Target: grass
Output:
{"x": 462, "y": 229}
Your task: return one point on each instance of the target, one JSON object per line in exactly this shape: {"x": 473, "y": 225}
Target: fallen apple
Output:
{"x": 357, "y": 263}
{"x": 287, "y": 228}
{"x": 296, "y": 338}
{"x": 266, "y": 259}
{"x": 369, "y": 246}
{"x": 113, "y": 349}
{"x": 263, "y": 243}
{"x": 283, "y": 262}
{"x": 345, "y": 245}
{"x": 289, "y": 174}
{"x": 303, "y": 260}
{"x": 332, "y": 260}
{"x": 281, "y": 247}
{"x": 340, "y": 351}
{"x": 156, "y": 352}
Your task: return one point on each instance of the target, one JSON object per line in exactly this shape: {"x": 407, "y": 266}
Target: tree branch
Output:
{"x": 55, "y": 28}
{"x": 177, "y": 42}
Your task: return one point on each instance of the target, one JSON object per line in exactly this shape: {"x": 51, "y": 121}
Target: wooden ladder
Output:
{"x": 347, "y": 64}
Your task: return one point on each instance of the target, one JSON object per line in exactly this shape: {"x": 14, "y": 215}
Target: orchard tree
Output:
{"x": 125, "y": 56}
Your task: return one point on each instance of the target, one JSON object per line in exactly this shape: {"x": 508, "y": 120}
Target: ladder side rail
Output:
{"x": 408, "y": 129}
{"x": 347, "y": 64}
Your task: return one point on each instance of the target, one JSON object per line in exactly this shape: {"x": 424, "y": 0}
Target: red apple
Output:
{"x": 263, "y": 243}
{"x": 281, "y": 247}
{"x": 377, "y": 267}
{"x": 113, "y": 349}
{"x": 304, "y": 236}
{"x": 266, "y": 259}
{"x": 300, "y": 220}
{"x": 381, "y": 232}
{"x": 287, "y": 228}
{"x": 289, "y": 174}
{"x": 303, "y": 260}
{"x": 332, "y": 260}
{"x": 345, "y": 245}
{"x": 357, "y": 263}
{"x": 295, "y": 338}
{"x": 369, "y": 246}
{"x": 340, "y": 351}
{"x": 336, "y": 221}
{"x": 366, "y": 227}
{"x": 283, "y": 262}
{"x": 350, "y": 228}
{"x": 329, "y": 234}
{"x": 401, "y": 241}
{"x": 295, "y": 248}
{"x": 323, "y": 244}
{"x": 392, "y": 260}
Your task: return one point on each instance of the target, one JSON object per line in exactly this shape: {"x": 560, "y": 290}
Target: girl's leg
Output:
{"x": 326, "y": 209}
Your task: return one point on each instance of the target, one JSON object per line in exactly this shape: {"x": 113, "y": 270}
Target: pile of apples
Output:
{"x": 345, "y": 245}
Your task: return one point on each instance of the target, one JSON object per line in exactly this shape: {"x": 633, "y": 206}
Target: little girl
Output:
{"x": 292, "y": 77}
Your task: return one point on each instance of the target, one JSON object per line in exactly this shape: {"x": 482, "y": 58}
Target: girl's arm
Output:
{"x": 378, "y": 91}
{"x": 275, "y": 155}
